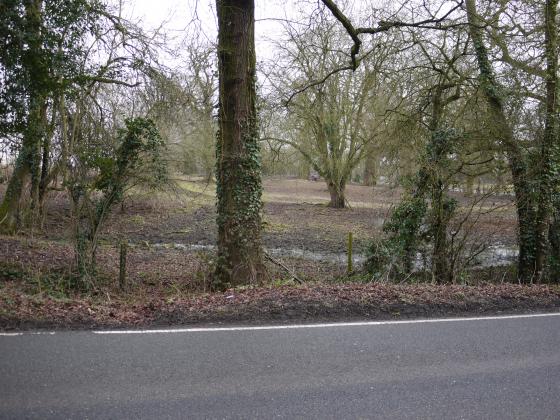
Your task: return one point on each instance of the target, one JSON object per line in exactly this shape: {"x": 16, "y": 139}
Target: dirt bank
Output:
{"x": 316, "y": 302}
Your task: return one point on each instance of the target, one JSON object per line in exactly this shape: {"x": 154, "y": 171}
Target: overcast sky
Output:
{"x": 181, "y": 17}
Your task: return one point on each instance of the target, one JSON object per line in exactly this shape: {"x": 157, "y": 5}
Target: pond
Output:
{"x": 493, "y": 256}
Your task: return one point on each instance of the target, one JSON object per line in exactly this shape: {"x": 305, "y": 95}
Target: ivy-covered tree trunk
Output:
{"x": 442, "y": 209}
{"x": 9, "y": 209}
{"x": 517, "y": 162}
{"x": 554, "y": 239}
{"x": 84, "y": 236}
{"x": 36, "y": 132}
{"x": 46, "y": 174}
{"x": 549, "y": 146}
{"x": 28, "y": 162}
{"x": 238, "y": 166}
{"x": 27, "y": 167}
{"x": 136, "y": 160}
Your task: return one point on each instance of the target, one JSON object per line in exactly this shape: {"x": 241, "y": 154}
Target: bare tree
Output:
{"x": 335, "y": 122}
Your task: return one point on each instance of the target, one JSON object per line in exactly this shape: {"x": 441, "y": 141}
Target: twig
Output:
{"x": 280, "y": 264}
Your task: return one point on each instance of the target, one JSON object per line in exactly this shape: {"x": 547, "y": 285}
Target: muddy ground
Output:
{"x": 168, "y": 281}
{"x": 295, "y": 216}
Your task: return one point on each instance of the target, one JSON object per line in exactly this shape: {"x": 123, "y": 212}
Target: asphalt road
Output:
{"x": 477, "y": 369}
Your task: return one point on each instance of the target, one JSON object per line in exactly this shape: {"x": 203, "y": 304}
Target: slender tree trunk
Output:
{"x": 469, "y": 186}
{"x": 45, "y": 171}
{"x": 516, "y": 158}
{"x": 549, "y": 146}
{"x": 37, "y": 126}
{"x": 440, "y": 266}
{"x": 84, "y": 237}
{"x": 336, "y": 191}
{"x": 441, "y": 213}
{"x": 370, "y": 170}
{"x": 239, "y": 187}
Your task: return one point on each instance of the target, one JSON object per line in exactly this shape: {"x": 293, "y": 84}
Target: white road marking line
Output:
{"x": 295, "y": 326}
{"x": 328, "y": 325}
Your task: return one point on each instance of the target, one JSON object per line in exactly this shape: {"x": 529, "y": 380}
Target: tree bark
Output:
{"x": 239, "y": 186}
{"x": 336, "y": 191}
{"x": 469, "y": 186}
{"x": 37, "y": 131}
{"x": 9, "y": 210}
{"x": 46, "y": 176}
{"x": 442, "y": 263}
{"x": 554, "y": 239}
{"x": 370, "y": 170}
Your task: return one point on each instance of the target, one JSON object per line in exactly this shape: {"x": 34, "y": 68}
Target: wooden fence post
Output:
{"x": 122, "y": 265}
{"x": 349, "y": 266}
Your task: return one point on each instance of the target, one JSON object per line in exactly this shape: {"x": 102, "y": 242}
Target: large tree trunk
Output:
{"x": 28, "y": 162}
{"x": 549, "y": 147}
{"x": 239, "y": 187}
{"x": 9, "y": 210}
{"x": 336, "y": 191}
{"x": 516, "y": 158}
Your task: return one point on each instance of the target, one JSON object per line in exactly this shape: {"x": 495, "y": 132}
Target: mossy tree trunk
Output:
{"x": 9, "y": 209}
{"x": 516, "y": 158}
{"x": 442, "y": 206}
{"x": 554, "y": 239}
{"x": 441, "y": 212}
{"x": 36, "y": 132}
{"x": 549, "y": 146}
{"x": 28, "y": 161}
{"x": 238, "y": 166}
{"x": 85, "y": 228}
{"x": 47, "y": 174}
